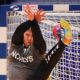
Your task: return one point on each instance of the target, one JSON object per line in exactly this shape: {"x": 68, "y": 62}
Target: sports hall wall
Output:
{"x": 3, "y": 28}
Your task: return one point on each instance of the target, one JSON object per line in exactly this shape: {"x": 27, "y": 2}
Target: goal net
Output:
{"x": 68, "y": 67}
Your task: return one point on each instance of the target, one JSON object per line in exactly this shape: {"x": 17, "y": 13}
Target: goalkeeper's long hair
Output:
{"x": 17, "y": 37}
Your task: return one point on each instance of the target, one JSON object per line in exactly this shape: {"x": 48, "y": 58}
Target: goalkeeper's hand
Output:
{"x": 38, "y": 15}
{"x": 29, "y": 14}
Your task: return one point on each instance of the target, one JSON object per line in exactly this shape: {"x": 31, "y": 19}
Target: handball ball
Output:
{"x": 56, "y": 31}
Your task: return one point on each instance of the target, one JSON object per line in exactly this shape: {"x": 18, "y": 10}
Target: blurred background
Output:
{"x": 41, "y": 1}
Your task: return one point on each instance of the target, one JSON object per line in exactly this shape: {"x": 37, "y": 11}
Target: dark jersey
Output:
{"x": 28, "y": 56}
{"x": 32, "y": 55}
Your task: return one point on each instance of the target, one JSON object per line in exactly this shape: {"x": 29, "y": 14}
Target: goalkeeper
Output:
{"x": 27, "y": 59}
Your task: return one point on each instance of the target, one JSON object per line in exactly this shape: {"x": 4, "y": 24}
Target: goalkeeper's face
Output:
{"x": 28, "y": 37}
